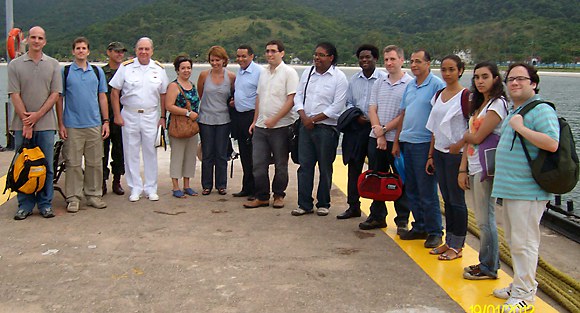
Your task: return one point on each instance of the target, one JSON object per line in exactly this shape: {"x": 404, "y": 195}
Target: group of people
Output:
{"x": 436, "y": 125}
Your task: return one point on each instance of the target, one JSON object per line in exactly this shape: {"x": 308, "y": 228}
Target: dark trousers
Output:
{"x": 214, "y": 145}
{"x": 382, "y": 160}
{"x": 241, "y": 122}
{"x": 316, "y": 146}
{"x": 117, "y": 161}
{"x": 270, "y": 143}
{"x": 355, "y": 166}
{"x": 446, "y": 171}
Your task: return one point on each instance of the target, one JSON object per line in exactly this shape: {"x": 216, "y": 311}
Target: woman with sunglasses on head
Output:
{"x": 488, "y": 109}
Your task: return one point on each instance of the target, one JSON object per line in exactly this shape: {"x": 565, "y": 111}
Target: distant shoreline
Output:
{"x": 206, "y": 65}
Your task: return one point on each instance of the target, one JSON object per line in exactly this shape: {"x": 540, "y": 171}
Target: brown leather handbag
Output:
{"x": 181, "y": 126}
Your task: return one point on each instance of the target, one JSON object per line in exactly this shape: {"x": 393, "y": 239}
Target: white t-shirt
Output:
{"x": 446, "y": 121}
{"x": 499, "y": 106}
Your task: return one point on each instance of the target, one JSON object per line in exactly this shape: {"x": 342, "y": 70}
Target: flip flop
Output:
{"x": 447, "y": 257}
{"x": 178, "y": 193}
{"x": 190, "y": 192}
{"x": 439, "y": 250}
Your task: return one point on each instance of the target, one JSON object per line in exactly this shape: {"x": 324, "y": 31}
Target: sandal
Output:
{"x": 222, "y": 191}
{"x": 178, "y": 193}
{"x": 206, "y": 191}
{"x": 448, "y": 257}
{"x": 190, "y": 192}
{"x": 439, "y": 250}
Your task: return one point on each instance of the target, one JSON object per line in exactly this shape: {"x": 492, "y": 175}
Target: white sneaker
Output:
{"x": 153, "y": 197}
{"x": 322, "y": 211}
{"x": 134, "y": 197}
{"x": 503, "y": 293}
{"x": 517, "y": 305}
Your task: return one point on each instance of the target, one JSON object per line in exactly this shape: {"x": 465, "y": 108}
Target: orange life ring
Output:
{"x": 13, "y": 42}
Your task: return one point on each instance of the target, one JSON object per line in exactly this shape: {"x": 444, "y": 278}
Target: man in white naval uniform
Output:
{"x": 142, "y": 82}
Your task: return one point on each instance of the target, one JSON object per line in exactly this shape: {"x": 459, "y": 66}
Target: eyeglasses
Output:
{"x": 518, "y": 79}
{"x": 271, "y": 51}
{"x": 320, "y": 55}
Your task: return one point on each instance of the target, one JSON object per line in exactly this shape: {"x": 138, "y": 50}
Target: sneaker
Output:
{"x": 433, "y": 241}
{"x": 503, "y": 293}
{"x": 21, "y": 214}
{"x": 477, "y": 274}
{"x": 516, "y": 305}
{"x": 322, "y": 211}
{"x": 72, "y": 207}
{"x": 300, "y": 211}
{"x": 96, "y": 202}
{"x": 134, "y": 197}
{"x": 153, "y": 196}
{"x": 278, "y": 202}
{"x": 470, "y": 268}
{"x": 47, "y": 213}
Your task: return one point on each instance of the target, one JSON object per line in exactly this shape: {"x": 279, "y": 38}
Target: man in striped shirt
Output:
{"x": 522, "y": 200}
{"x": 385, "y": 115}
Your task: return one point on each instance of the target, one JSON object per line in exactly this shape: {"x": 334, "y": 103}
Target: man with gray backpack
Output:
{"x": 533, "y": 132}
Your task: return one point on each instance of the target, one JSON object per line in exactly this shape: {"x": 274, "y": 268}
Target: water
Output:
{"x": 560, "y": 88}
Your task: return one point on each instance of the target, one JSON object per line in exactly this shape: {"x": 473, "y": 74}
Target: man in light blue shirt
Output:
{"x": 320, "y": 99}
{"x": 82, "y": 128}
{"x": 355, "y": 138}
{"x": 414, "y": 140}
{"x": 242, "y": 115}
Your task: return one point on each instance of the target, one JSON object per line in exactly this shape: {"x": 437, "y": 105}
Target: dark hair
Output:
{"x": 458, "y": 62}
{"x": 374, "y": 50}
{"x": 180, "y": 59}
{"x": 426, "y": 55}
{"x": 247, "y": 47}
{"x": 79, "y": 40}
{"x": 278, "y": 44}
{"x": 399, "y": 51}
{"x": 532, "y": 71}
{"x": 497, "y": 91}
{"x": 330, "y": 49}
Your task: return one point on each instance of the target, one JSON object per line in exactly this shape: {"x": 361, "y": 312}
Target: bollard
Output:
{"x": 558, "y": 200}
{"x": 570, "y": 205}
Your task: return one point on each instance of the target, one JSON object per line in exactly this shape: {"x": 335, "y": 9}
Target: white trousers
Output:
{"x": 139, "y": 134}
{"x": 522, "y": 233}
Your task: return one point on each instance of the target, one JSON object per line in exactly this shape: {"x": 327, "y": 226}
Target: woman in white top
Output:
{"x": 448, "y": 124}
{"x": 488, "y": 109}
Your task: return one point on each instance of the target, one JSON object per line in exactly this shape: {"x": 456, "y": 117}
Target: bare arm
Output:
{"x": 256, "y": 114}
{"x": 489, "y": 123}
{"x": 463, "y": 177}
{"x": 115, "y": 102}
{"x": 201, "y": 82}
{"x": 538, "y": 139}
{"x": 396, "y": 147}
{"x": 104, "y": 105}
{"x": 59, "y": 115}
{"x": 33, "y": 117}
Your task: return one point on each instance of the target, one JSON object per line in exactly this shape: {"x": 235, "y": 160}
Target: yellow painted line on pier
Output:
{"x": 4, "y": 197}
{"x": 471, "y": 295}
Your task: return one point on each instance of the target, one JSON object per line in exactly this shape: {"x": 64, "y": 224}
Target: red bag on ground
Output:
{"x": 380, "y": 186}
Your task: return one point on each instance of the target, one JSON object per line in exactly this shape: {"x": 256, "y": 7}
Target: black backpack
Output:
{"x": 556, "y": 172}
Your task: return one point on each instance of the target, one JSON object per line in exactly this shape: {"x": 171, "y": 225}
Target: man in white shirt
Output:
{"x": 143, "y": 84}
{"x": 320, "y": 99}
{"x": 273, "y": 118}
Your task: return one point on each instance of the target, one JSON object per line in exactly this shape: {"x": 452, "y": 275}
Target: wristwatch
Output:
{"x": 188, "y": 113}
{"x": 384, "y": 129}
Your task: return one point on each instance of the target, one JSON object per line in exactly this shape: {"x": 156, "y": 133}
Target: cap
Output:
{"x": 117, "y": 46}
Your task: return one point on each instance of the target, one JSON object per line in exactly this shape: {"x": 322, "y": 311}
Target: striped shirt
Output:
{"x": 513, "y": 176}
{"x": 359, "y": 90}
{"x": 387, "y": 98}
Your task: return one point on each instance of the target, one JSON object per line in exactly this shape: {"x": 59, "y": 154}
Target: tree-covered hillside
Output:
{"x": 499, "y": 30}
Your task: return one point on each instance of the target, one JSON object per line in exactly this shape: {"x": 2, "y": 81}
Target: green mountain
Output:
{"x": 495, "y": 29}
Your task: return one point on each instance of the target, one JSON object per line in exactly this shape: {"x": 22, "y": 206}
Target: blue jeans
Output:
{"x": 446, "y": 171}
{"x": 45, "y": 140}
{"x": 316, "y": 146}
{"x": 214, "y": 145}
{"x": 421, "y": 189}
{"x": 484, "y": 209}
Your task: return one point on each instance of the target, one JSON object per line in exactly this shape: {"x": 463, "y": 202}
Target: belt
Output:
{"x": 136, "y": 110}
